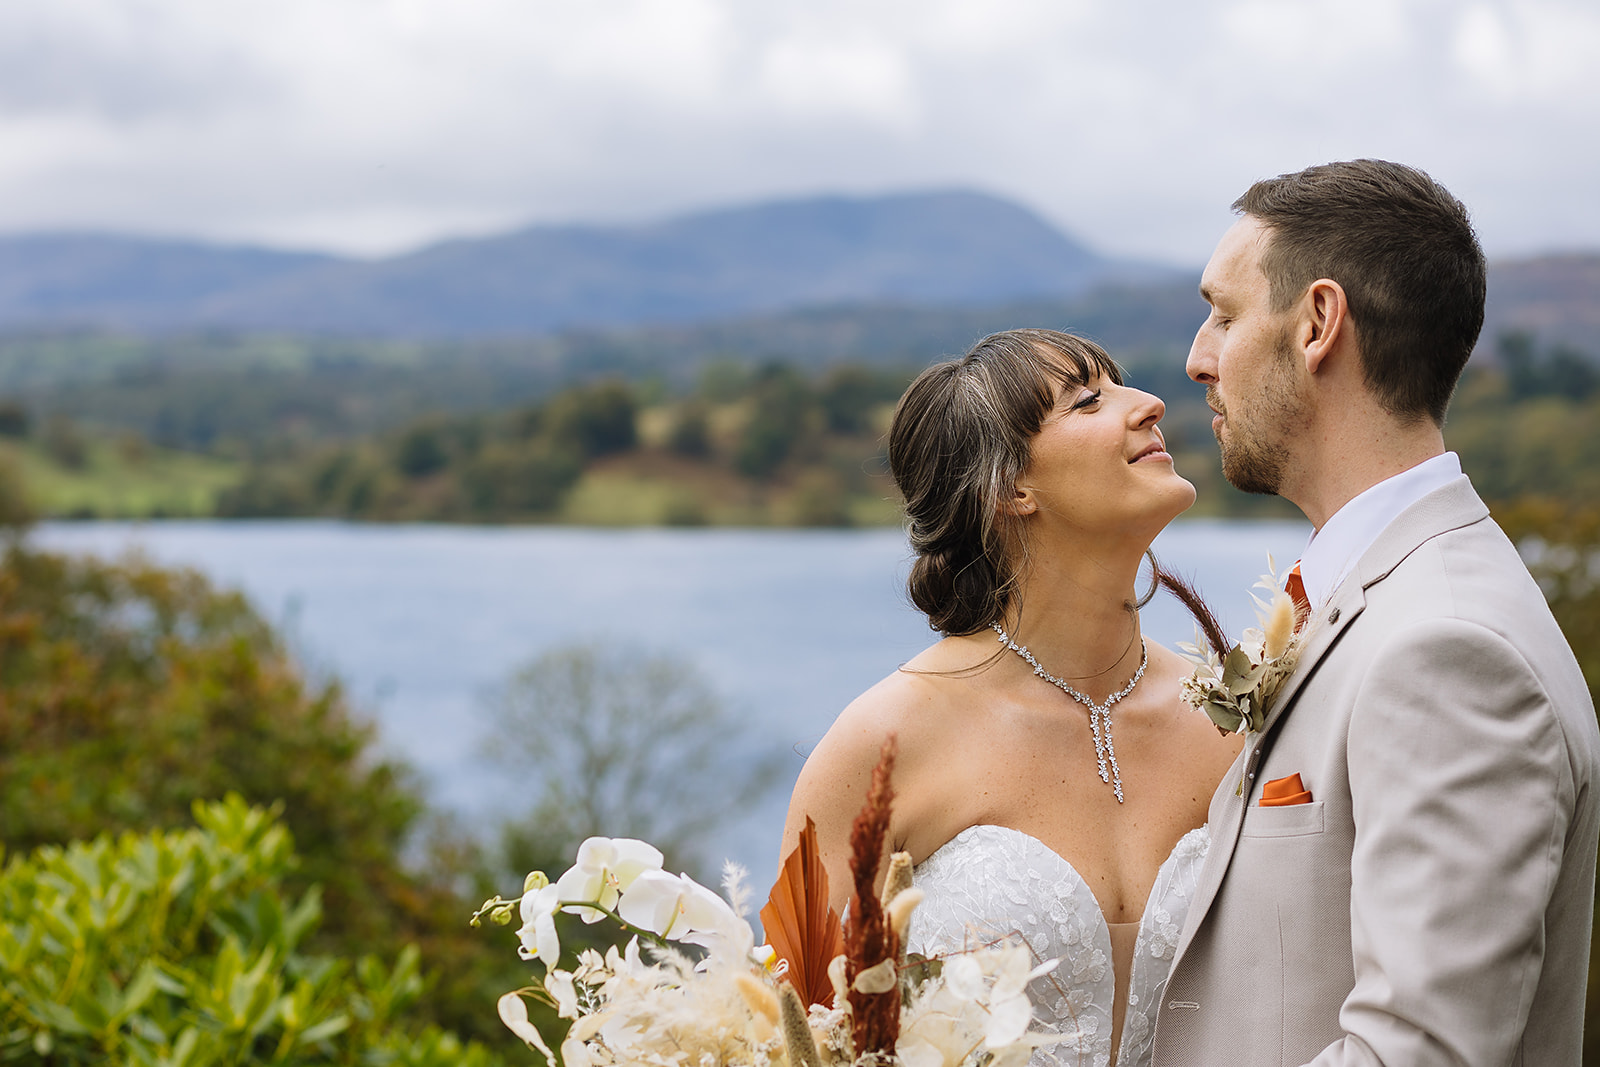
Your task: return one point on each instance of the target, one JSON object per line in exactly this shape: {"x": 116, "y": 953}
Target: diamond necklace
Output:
{"x": 1099, "y": 714}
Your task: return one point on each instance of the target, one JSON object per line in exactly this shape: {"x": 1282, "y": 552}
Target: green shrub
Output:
{"x": 129, "y": 691}
{"x": 597, "y": 420}
{"x": 183, "y": 948}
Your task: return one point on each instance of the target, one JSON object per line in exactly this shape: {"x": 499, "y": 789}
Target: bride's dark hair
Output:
{"x": 960, "y": 439}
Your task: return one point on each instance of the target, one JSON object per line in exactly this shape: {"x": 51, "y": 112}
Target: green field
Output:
{"x": 125, "y": 478}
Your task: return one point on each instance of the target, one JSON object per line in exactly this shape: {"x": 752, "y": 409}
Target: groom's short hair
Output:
{"x": 1403, "y": 250}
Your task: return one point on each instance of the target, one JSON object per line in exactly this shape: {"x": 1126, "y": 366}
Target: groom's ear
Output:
{"x": 1324, "y": 322}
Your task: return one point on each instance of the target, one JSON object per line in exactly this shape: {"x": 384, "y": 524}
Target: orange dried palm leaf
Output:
{"x": 800, "y": 926}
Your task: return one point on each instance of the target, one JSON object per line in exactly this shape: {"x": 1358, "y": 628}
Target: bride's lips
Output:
{"x": 1155, "y": 451}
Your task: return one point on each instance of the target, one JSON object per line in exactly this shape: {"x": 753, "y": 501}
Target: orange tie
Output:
{"x": 1295, "y": 586}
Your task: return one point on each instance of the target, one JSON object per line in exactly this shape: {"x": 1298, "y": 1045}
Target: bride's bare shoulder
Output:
{"x": 919, "y": 704}
{"x": 937, "y": 680}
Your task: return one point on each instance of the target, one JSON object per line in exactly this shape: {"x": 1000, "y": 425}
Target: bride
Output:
{"x": 1048, "y": 781}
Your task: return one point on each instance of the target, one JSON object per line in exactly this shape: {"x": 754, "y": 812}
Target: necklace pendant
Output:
{"x": 1105, "y": 754}
{"x": 1111, "y": 756}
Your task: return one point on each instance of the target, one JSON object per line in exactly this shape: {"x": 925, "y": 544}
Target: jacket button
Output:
{"x": 1333, "y": 616}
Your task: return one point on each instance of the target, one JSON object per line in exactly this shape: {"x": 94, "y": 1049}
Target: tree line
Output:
{"x": 740, "y": 443}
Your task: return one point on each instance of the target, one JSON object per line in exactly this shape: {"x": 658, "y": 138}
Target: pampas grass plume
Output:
{"x": 763, "y": 1003}
{"x": 1279, "y": 628}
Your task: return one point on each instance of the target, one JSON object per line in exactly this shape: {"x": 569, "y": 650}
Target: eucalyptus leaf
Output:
{"x": 1239, "y": 672}
{"x": 1245, "y": 683}
{"x": 1228, "y": 718}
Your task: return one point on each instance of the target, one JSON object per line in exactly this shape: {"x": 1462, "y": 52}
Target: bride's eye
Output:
{"x": 1086, "y": 400}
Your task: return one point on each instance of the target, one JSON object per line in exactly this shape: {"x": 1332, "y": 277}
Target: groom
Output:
{"x": 1402, "y": 861}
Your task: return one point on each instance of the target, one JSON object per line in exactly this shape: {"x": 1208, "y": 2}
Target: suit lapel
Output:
{"x": 1448, "y": 508}
{"x": 1321, "y": 634}
{"x": 1227, "y": 809}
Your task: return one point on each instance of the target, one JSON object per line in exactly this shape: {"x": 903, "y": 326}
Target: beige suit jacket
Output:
{"x": 1432, "y": 903}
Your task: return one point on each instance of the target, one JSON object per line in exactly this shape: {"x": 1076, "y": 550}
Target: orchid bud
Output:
{"x": 535, "y": 881}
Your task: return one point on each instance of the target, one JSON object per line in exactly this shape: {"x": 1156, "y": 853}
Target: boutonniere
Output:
{"x": 1236, "y": 690}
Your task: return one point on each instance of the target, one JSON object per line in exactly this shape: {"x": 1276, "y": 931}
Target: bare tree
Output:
{"x": 618, "y": 741}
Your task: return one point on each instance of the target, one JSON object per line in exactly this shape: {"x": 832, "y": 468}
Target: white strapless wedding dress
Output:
{"x": 992, "y": 881}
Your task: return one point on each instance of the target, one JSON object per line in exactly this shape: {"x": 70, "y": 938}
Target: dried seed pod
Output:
{"x": 898, "y": 878}
{"x": 899, "y": 912}
{"x": 797, "y": 1039}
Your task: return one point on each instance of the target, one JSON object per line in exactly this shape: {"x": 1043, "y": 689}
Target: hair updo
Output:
{"x": 960, "y": 439}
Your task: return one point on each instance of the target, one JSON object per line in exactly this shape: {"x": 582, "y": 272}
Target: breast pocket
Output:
{"x": 1293, "y": 820}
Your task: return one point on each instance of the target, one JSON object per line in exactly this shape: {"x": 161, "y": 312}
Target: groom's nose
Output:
{"x": 1201, "y": 366}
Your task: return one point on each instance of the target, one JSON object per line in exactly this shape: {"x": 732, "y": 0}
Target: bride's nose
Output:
{"x": 1147, "y": 410}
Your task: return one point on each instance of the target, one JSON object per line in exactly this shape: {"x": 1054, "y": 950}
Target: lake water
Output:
{"x": 420, "y": 622}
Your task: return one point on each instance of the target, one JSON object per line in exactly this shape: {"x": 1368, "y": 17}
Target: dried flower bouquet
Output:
{"x": 730, "y": 1002}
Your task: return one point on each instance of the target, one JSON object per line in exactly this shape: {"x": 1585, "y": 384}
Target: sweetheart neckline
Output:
{"x": 997, "y": 884}
{"x": 1099, "y": 909}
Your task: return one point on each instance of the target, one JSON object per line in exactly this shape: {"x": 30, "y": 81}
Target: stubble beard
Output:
{"x": 1255, "y": 452}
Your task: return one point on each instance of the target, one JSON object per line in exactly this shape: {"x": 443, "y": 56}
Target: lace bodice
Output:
{"x": 992, "y": 881}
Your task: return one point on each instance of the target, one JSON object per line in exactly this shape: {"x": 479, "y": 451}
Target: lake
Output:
{"x": 419, "y": 622}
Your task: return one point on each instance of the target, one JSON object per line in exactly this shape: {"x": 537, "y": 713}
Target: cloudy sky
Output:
{"x": 371, "y": 126}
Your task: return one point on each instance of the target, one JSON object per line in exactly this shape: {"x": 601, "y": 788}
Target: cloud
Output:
{"x": 374, "y": 125}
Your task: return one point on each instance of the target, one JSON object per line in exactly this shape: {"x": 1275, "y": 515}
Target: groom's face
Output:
{"x": 1244, "y": 356}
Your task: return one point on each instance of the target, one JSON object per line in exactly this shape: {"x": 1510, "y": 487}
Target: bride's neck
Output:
{"x": 1073, "y": 612}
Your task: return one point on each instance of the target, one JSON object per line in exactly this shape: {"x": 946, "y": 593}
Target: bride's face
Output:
{"x": 1100, "y": 464}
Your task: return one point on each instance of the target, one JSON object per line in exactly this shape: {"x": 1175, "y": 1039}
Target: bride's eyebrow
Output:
{"x": 1070, "y": 394}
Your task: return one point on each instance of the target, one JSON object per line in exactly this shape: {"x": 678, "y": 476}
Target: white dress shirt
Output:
{"x": 1343, "y": 539}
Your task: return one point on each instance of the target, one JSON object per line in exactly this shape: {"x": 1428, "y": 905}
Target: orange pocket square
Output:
{"x": 1283, "y": 791}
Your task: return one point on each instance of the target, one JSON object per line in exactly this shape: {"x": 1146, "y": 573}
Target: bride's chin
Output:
{"x": 1179, "y": 498}
{"x": 1188, "y": 494}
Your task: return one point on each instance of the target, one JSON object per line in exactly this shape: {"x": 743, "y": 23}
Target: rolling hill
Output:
{"x": 938, "y": 249}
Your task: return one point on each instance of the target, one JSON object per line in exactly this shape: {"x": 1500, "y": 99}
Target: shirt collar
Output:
{"x": 1346, "y": 536}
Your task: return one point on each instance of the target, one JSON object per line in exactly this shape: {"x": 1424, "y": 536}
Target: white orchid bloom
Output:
{"x": 514, "y": 1013}
{"x": 606, "y": 867}
{"x": 676, "y": 907}
{"x": 538, "y": 932}
{"x": 560, "y": 986}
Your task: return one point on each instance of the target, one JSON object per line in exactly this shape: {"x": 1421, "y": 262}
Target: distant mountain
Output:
{"x": 1137, "y": 324}
{"x": 104, "y": 280}
{"x": 946, "y": 248}
{"x": 893, "y": 278}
